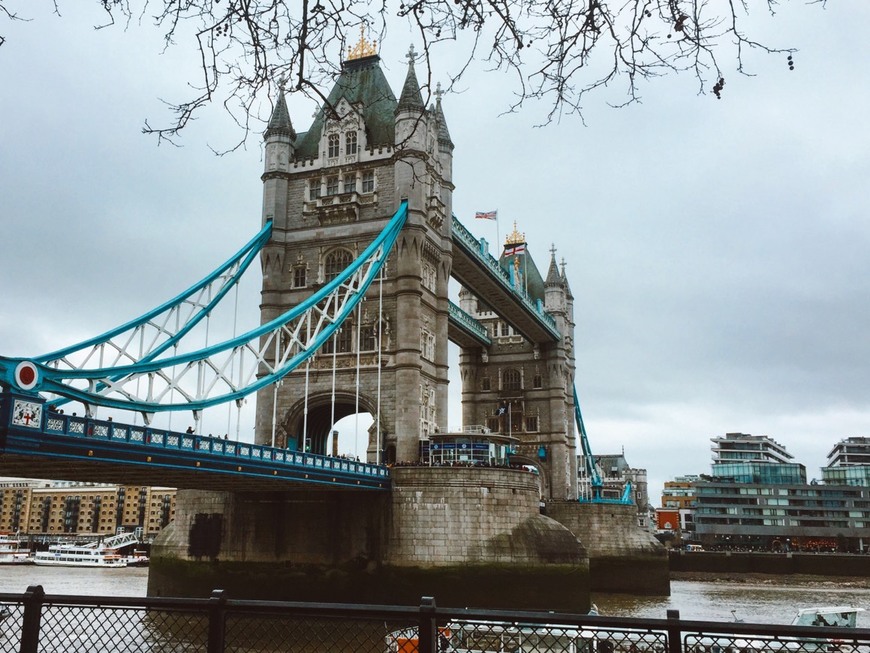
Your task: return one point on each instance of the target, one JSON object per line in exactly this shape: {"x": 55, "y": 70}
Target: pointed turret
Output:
{"x": 568, "y": 292}
{"x": 553, "y": 276}
{"x": 279, "y": 122}
{"x": 410, "y": 99}
{"x": 443, "y": 134}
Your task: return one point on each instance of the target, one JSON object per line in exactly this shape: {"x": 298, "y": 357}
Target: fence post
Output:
{"x": 675, "y": 633}
{"x": 216, "y": 621}
{"x": 33, "y": 599}
{"x": 428, "y": 630}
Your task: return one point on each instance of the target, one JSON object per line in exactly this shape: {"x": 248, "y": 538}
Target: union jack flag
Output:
{"x": 486, "y": 215}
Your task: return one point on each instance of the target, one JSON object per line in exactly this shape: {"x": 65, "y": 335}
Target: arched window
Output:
{"x": 332, "y": 146}
{"x": 335, "y": 263}
{"x": 511, "y": 380}
{"x": 350, "y": 143}
{"x": 341, "y": 340}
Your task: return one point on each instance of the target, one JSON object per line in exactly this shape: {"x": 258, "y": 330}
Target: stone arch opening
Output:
{"x": 544, "y": 485}
{"x": 314, "y": 433}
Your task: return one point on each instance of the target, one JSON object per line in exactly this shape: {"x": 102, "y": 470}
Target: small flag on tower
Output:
{"x": 513, "y": 250}
{"x": 486, "y": 215}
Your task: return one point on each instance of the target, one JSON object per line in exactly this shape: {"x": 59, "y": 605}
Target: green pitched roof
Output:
{"x": 361, "y": 83}
{"x": 534, "y": 282}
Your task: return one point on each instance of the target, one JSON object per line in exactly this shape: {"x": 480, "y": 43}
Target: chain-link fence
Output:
{"x": 36, "y": 623}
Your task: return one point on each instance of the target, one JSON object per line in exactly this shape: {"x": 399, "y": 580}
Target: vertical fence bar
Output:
{"x": 675, "y": 633}
{"x": 217, "y": 616}
{"x": 428, "y": 627}
{"x": 33, "y": 599}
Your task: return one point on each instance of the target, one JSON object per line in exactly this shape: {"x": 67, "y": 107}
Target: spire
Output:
{"x": 443, "y": 134}
{"x": 553, "y": 276}
{"x": 280, "y": 123}
{"x": 565, "y": 282}
{"x": 410, "y": 99}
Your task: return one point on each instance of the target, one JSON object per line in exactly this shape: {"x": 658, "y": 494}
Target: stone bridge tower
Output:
{"x": 329, "y": 191}
{"x": 523, "y": 388}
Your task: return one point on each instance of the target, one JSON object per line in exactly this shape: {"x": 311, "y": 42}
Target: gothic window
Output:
{"x": 531, "y": 423}
{"x": 429, "y": 276}
{"x": 504, "y": 329}
{"x": 335, "y": 263}
{"x": 511, "y": 380}
{"x": 368, "y": 181}
{"x": 299, "y": 276}
{"x": 350, "y": 183}
{"x": 342, "y": 340}
{"x": 427, "y": 344}
{"x": 332, "y": 185}
{"x": 538, "y": 382}
{"x": 350, "y": 143}
{"x": 485, "y": 384}
{"x": 314, "y": 189}
{"x": 369, "y": 338}
{"x": 333, "y": 146}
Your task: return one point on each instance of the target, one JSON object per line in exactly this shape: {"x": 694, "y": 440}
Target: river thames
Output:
{"x": 772, "y": 599}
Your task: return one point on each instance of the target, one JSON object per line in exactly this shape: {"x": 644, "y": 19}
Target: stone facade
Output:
{"x": 328, "y": 192}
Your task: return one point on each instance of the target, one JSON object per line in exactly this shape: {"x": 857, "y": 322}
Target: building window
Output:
{"x": 314, "y": 189}
{"x": 504, "y": 329}
{"x": 335, "y": 264}
{"x": 333, "y": 147}
{"x": 538, "y": 382}
{"x": 368, "y": 181}
{"x": 427, "y": 344}
{"x": 341, "y": 341}
{"x": 332, "y": 185}
{"x": 511, "y": 381}
{"x": 429, "y": 276}
{"x": 350, "y": 143}
{"x": 485, "y": 384}
{"x": 369, "y": 338}
{"x": 299, "y": 276}
{"x": 350, "y": 184}
{"x": 531, "y": 423}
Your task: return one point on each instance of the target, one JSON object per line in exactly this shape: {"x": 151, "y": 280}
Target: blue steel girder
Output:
{"x": 464, "y": 330}
{"x": 223, "y": 372}
{"x": 479, "y": 272}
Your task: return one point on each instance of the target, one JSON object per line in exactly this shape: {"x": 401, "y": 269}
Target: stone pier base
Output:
{"x": 470, "y": 537}
{"x": 623, "y": 557}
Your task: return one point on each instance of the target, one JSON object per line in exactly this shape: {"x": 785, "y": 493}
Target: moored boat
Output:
{"x": 94, "y": 554}
{"x": 13, "y": 551}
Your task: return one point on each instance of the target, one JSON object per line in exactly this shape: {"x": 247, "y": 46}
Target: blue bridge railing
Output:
{"x": 41, "y": 421}
{"x": 468, "y": 323}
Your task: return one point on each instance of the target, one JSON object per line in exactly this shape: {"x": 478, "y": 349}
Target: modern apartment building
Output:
{"x": 757, "y": 498}
{"x": 33, "y": 507}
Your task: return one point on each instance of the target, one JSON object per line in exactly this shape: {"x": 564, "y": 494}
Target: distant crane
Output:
{"x": 591, "y": 468}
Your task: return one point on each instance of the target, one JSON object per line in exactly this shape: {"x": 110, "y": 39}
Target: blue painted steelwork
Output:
{"x": 220, "y": 373}
{"x": 471, "y": 326}
{"x": 53, "y": 435}
{"x": 464, "y": 238}
{"x": 591, "y": 470}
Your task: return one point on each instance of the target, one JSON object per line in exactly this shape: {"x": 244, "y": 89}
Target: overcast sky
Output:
{"x": 718, "y": 251}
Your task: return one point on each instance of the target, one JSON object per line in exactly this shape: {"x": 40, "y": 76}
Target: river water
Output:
{"x": 773, "y": 600}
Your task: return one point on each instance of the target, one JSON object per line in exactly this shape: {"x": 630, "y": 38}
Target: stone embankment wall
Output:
{"x": 727, "y": 562}
{"x": 470, "y": 537}
{"x": 622, "y": 556}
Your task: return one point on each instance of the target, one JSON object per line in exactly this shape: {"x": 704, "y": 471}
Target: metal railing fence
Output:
{"x": 35, "y": 622}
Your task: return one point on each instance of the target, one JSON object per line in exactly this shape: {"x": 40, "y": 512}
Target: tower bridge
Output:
{"x": 358, "y": 246}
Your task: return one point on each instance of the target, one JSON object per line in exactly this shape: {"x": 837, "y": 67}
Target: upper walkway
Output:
{"x": 476, "y": 269}
{"x": 38, "y": 443}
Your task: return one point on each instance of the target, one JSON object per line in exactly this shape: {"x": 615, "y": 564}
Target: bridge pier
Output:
{"x": 468, "y": 536}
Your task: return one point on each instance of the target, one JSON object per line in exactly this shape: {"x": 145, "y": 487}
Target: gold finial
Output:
{"x": 363, "y": 48}
{"x": 515, "y": 238}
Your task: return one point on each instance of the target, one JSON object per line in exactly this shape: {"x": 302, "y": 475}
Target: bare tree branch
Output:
{"x": 557, "y": 51}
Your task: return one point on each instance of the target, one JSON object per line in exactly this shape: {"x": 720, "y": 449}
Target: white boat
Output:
{"x": 13, "y": 551}
{"x": 94, "y": 554}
